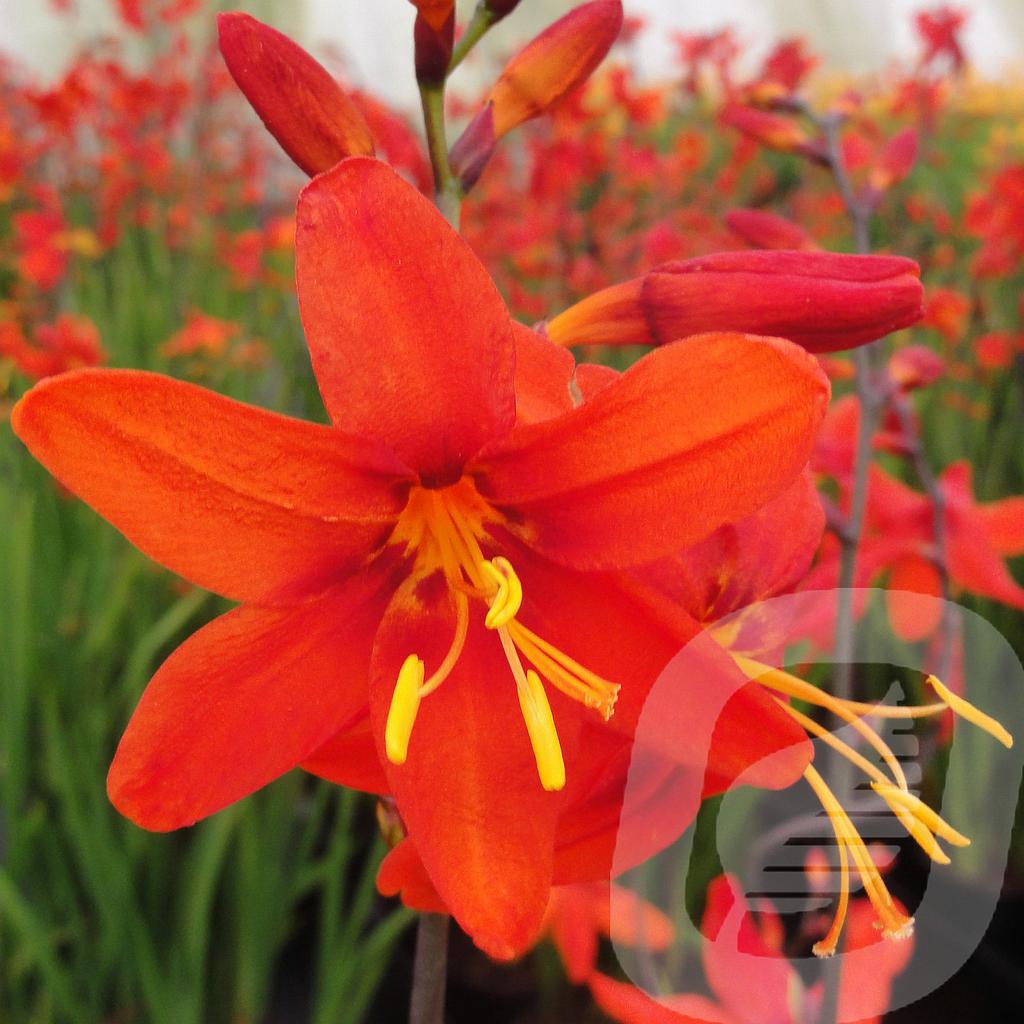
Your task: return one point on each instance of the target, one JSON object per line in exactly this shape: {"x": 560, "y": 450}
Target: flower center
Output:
{"x": 922, "y": 823}
{"x": 444, "y": 530}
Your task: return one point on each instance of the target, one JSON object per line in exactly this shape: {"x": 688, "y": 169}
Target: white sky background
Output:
{"x": 374, "y": 36}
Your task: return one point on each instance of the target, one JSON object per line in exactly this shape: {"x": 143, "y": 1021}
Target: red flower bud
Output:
{"x": 298, "y": 100}
{"x": 773, "y": 130}
{"x": 822, "y": 301}
{"x": 433, "y": 48}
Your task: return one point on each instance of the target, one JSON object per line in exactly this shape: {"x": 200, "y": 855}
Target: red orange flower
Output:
{"x": 418, "y": 577}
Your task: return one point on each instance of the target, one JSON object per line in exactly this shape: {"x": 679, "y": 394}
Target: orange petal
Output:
{"x": 691, "y": 437}
{"x": 243, "y": 701}
{"x": 628, "y": 1004}
{"x": 761, "y": 555}
{"x": 401, "y": 873}
{"x": 468, "y": 791}
{"x": 410, "y": 340}
{"x": 543, "y": 377}
{"x": 253, "y": 505}
{"x": 298, "y": 100}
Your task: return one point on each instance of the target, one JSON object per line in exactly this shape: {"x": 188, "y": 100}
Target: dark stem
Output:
{"x": 866, "y": 385}
{"x": 430, "y": 970}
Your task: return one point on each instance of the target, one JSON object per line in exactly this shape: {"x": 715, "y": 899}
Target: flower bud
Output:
{"x": 433, "y": 49}
{"x": 820, "y": 300}
{"x": 542, "y": 74}
{"x": 298, "y": 100}
{"x": 774, "y": 131}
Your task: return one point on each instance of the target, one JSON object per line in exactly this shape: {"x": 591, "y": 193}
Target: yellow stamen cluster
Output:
{"x": 443, "y": 530}
{"x": 922, "y": 823}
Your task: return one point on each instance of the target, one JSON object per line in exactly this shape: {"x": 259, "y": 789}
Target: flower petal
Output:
{"x": 543, "y": 378}
{"x": 745, "y": 562}
{"x": 695, "y": 711}
{"x": 349, "y": 758}
{"x": 253, "y": 505}
{"x": 469, "y": 792}
{"x": 663, "y": 455}
{"x": 410, "y": 340}
{"x": 243, "y": 701}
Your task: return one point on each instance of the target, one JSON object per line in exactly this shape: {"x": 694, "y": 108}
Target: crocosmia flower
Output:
{"x": 416, "y": 574}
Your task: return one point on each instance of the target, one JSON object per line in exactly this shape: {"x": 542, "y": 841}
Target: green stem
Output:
{"x": 478, "y": 27}
{"x": 447, "y": 191}
{"x": 430, "y": 970}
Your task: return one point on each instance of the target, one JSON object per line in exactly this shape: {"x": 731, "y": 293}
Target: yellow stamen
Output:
{"x": 565, "y": 673}
{"x": 920, "y": 810}
{"x": 405, "y": 702}
{"x": 540, "y": 724}
{"x": 443, "y": 529}
{"x": 964, "y": 709}
{"x": 791, "y": 686}
{"x": 834, "y": 742}
{"x": 894, "y": 924}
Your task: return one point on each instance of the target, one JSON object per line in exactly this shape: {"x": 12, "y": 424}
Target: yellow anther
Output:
{"x": 540, "y": 724}
{"x": 405, "y": 702}
{"x": 924, "y": 814}
{"x": 508, "y": 597}
{"x": 966, "y": 710}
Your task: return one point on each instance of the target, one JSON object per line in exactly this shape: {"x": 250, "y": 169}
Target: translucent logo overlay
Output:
{"x": 705, "y": 731}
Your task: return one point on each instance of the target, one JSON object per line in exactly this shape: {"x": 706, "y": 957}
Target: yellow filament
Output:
{"x": 929, "y": 818}
{"x": 565, "y": 673}
{"x": 915, "y": 829}
{"x": 966, "y": 710}
{"x": 827, "y": 946}
{"x": 405, "y": 702}
{"x": 540, "y": 725}
{"x": 458, "y": 642}
{"x": 783, "y": 682}
{"x": 834, "y": 742}
{"x": 894, "y": 924}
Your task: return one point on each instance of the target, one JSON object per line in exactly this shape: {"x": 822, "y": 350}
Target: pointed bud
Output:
{"x": 298, "y": 100}
{"x": 820, "y": 300}
{"x": 433, "y": 48}
{"x": 555, "y": 63}
{"x": 774, "y": 131}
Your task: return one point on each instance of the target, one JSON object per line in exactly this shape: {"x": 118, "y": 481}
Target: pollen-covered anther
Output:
{"x": 540, "y": 725}
{"x": 508, "y": 595}
{"x": 405, "y": 703}
{"x": 968, "y": 711}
